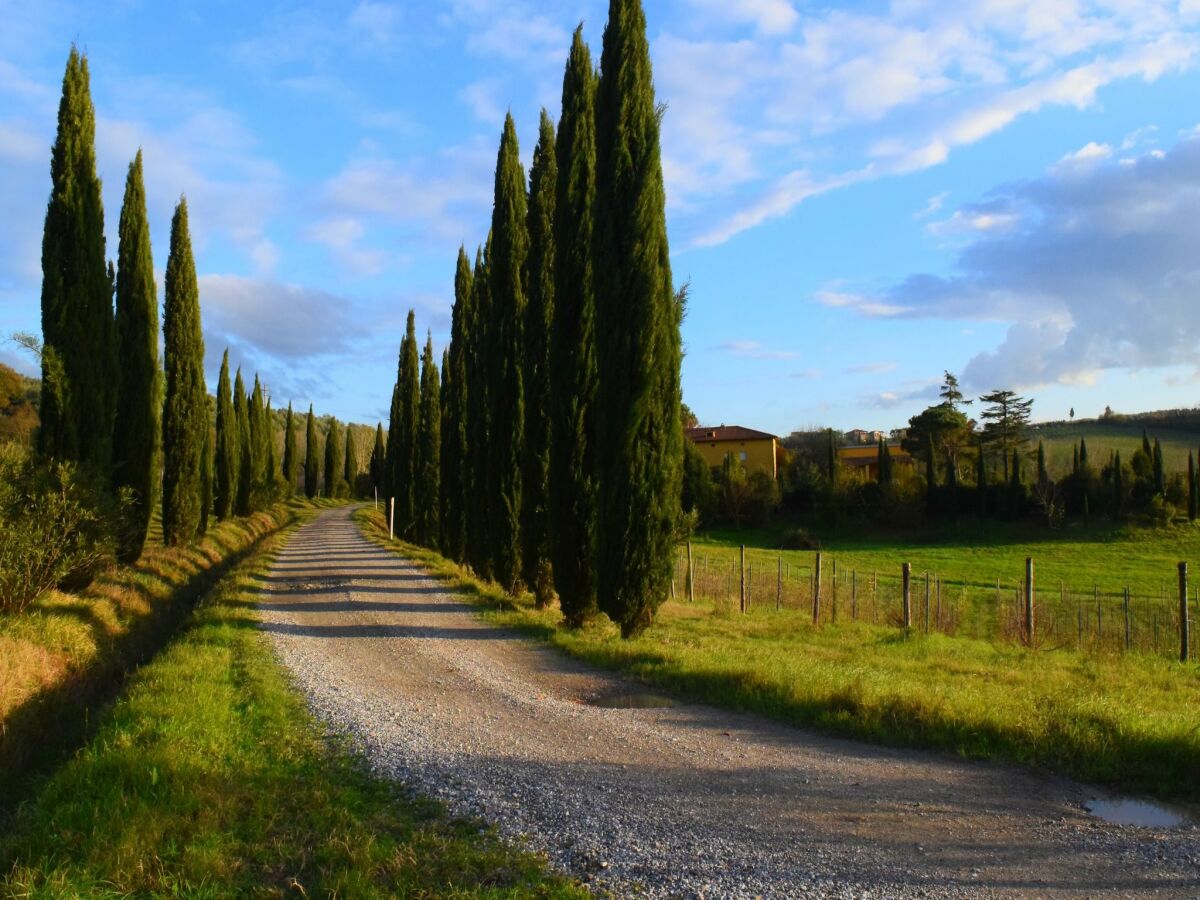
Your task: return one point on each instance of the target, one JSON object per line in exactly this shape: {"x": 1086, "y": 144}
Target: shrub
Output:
{"x": 799, "y": 539}
{"x": 57, "y": 528}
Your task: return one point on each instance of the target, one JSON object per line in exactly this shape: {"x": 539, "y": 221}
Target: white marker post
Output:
{"x": 391, "y": 516}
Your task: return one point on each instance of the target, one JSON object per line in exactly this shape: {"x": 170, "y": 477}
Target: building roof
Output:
{"x": 727, "y": 433}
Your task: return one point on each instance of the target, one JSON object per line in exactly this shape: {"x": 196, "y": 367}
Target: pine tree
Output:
{"x": 573, "y": 499}
{"x": 291, "y": 459}
{"x": 334, "y": 464}
{"x": 137, "y": 430}
{"x": 227, "y": 445}
{"x": 1193, "y": 489}
{"x": 510, "y": 247}
{"x": 638, "y": 316}
{"x": 185, "y": 409}
{"x": 79, "y": 372}
{"x": 311, "y": 468}
{"x": 478, "y": 417}
{"x": 351, "y": 462}
{"x": 429, "y": 451}
{"x": 378, "y": 455}
{"x": 409, "y": 384}
{"x": 539, "y": 315}
{"x": 245, "y": 479}
{"x": 456, "y": 462}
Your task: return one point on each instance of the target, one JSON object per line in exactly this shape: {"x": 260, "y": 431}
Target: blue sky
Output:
{"x": 862, "y": 195}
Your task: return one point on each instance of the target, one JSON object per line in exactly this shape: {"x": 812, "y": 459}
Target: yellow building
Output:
{"x": 866, "y": 458}
{"x": 756, "y": 450}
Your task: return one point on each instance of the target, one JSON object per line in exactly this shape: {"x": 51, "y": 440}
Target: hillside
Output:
{"x": 1178, "y": 430}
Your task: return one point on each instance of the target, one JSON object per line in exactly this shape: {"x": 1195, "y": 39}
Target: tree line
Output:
{"x": 546, "y": 453}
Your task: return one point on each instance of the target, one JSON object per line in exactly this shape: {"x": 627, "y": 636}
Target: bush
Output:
{"x": 799, "y": 539}
{"x": 57, "y": 528}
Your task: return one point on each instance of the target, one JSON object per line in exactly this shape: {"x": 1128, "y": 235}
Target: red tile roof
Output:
{"x": 727, "y": 433}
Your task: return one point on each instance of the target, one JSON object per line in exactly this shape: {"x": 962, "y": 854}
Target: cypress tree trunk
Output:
{"x": 539, "y": 316}
{"x": 79, "y": 376}
{"x": 638, "y": 315}
{"x": 510, "y": 247}
{"x": 456, "y": 463}
{"x": 351, "y": 462}
{"x": 310, "y": 456}
{"x": 377, "y": 459}
{"x": 573, "y": 500}
{"x": 333, "y": 460}
{"x": 227, "y": 461}
{"x": 185, "y": 410}
{"x": 245, "y": 479}
{"x": 429, "y": 449}
{"x": 137, "y": 431}
{"x": 478, "y": 422}
{"x": 409, "y": 437}
{"x": 291, "y": 460}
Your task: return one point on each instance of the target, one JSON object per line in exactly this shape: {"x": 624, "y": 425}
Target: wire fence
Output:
{"x": 1043, "y": 615}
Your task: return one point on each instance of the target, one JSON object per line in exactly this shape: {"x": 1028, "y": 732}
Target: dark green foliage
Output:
{"x": 334, "y": 463}
{"x": 699, "y": 490}
{"x": 456, "y": 460}
{"x": 137, "y": 429}
{"x": 185, "y": 410}
{"x": 228, "y": 446}
{"x": 831, "y": 459}
{"x": 291, "y": 458}
{"x": 79, "y": 377}
{"x": 638, "y": 315}
{"x": 981, "y": 478}
{"x": 351, "y": 454}
{"x": 1005, "y": 420}
{"x": 885, "y": 462}
{"x": 572, "y": 475}
{"x": 1118, "y": 488}
{"x": 391, "y": 455}
{"x": 930, "y": 469}
{"x": 505, "y": 352}
{"x": 1075, "y": 460}
{"x": 259, "y": 435}
{"x": 378, "y": 456}
{"x": 478, "y": 418}
{"x": 206, "y": 482}
{"x": 1193, "y": 489}
{"x": 1146, "y": 445}
{"x": 1043, "y": 476}
{"x": 429, "y": 452}
{"x": 539, "y": 315}
{"x": 311, "y": 466}
{"x": 447, "y": 485}
{"x": 408, "y": 405}
{"x": 1160, "y": 479}
{"x": 1083, "y": 454}
{"x": 245, "y": 480}
{"x": 271, "y": 481}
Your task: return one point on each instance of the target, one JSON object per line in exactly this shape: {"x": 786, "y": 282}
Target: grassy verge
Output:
{"x": 61, "y": 659}
{"x": 208, "y": 778}
{"x": 1131, "y": 723}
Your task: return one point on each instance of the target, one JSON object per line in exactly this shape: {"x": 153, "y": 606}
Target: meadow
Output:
{"x": 1129, "y": 721}
{"x": 1105, "y": 436}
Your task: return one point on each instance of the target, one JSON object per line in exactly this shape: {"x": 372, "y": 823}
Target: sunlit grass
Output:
{"x": 208, "y": 778}
{"x": 1131, "y": 722}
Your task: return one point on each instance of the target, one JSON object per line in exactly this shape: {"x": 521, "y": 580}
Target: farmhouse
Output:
{"x": 866, "y": 458}
{"x": 756, "y": 450}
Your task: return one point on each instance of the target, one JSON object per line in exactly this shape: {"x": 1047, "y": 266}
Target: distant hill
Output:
{"x": 1178, "y": 430}
{"x": 19, "y": 396}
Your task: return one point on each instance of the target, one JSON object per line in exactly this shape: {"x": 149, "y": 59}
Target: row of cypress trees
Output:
{"x": 560, "y": 439}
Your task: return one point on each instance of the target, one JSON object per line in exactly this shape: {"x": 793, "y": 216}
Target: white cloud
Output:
{"x": 482, "y": 97}
{"x": 872, "y": 368}
{"x": 768, "y": 16}
{"x": 1088, "y": 153}
{"x": 932, "y": 206}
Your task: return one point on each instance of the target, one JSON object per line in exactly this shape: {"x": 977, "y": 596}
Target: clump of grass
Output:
{"x": 1130, "y": 722}
{"x": 209, "y": 778}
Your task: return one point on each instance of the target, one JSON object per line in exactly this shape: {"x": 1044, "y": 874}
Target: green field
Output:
{"x": 1104, "y": 437}
{"x": 1129, "y": 721}
{"x": 209, "y": 779}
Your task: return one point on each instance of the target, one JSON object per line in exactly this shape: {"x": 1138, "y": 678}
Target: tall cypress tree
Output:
{"x": 79, "y": 377}
{"x": 478, "y": 417}
{"x": 505, "y": 350}
{"x": 258, "y": 447}
{"x": 455, "y": 460}
{"x": 429, "y": 451}
{"x": 311, "y": 467}
{"x": 227, "y": 445}
{"x": 1118, "y": 488}
{"x": 445, "y": 485}
{"x": 391, "y": 457}
{"x": 334, "y": 464}
{"x": 638, "y": 316}
{"x": 409, "y": 385}
{"x": 539, "y": 315}
{"x": 573, "y": 498}
{"x": 1193, "y": 489}
{"x": 137, "y": 431}
{"x": 351, "y": 461}
{"x": 378, "y": 455}
{"x": 1043, "y": 475}
{"x": 1083, "y": 455}
{"x": 291, "y": 460}
{"x": 243, "y": 504}
{"x": 185, "y": 409}
{"x": 206, "y": 481}
{"x": 271, "y": 481}
{"x": 1160, "y": 477}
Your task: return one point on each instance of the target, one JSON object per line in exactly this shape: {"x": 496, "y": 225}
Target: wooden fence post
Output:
{"x": 391, "y": 516}
{"x": 691, "y": 575}
{"x": 1029, "y": 634}
{"x": 743, "y": 578}
{"x": 906, "y": 578}
{"x": 1184, "y": 646}
{"x": 817, "y": 591}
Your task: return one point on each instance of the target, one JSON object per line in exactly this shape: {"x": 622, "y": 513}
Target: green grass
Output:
{"x": 208, "y": 778}
{"x": 1104, "y": 437}
{"x": 1132, "y": 722}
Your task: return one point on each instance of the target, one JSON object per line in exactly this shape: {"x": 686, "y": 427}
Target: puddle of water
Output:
{"x": 633, "y": 701}
{"x": 1141, "y": 813}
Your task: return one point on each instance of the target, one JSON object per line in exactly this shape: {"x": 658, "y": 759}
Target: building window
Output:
{"x": 742, "y": 456}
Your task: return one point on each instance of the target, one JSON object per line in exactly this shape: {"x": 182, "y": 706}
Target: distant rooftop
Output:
{"x": 727, "y": 433}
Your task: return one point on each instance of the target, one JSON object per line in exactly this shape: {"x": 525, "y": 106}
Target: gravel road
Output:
{"x": 685, "y": 800}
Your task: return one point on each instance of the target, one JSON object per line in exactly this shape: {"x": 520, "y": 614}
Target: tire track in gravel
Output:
{"x": 681, "y": 801}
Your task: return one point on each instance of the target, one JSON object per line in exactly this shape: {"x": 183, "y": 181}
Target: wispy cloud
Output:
{"x": 753, "y": 350}
{"x": 871, "y": 368}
